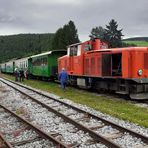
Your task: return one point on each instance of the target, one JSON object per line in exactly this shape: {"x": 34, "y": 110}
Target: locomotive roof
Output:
{"x": 47, "y": 53}
{"x": 120, "y": 49}
{"x": 74, "y": 44}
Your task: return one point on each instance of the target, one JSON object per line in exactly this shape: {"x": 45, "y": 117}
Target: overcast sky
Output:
{"x": 46, "y": 16}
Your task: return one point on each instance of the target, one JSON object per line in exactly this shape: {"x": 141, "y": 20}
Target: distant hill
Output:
{"x": 22, "y": 45}
{"x": 136, "y": 41}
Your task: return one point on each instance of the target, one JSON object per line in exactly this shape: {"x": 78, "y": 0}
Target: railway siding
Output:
{"x": 98, "y": 125}
{"x": 113, "y": 105}
{"x": 17, "y": 132}
{"x": 51, "y": 123}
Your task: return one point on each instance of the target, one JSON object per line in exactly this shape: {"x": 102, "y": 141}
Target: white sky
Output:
{"x": 46, "y": 16}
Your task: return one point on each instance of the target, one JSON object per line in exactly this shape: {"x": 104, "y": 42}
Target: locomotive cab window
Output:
{"x": 87, "y": 47}
{"x": 74, "y": 50}
{"x": 117, "y": 64}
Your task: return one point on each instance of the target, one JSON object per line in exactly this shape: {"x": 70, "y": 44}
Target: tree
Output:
{"x": 65, "y": 36}
{"x": 72, "y": 33}
{"x": 113, "y": 35}
{"x": 110, "y": 34}
{"x": 98, "y": 32}
{"x": 58, "y": 40}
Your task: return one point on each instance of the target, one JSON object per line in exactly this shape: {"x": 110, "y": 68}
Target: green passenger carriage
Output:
{"x": 45, "y": 64}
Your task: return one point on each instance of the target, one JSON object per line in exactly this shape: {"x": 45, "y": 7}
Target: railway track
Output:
{"x": 18, "y": 132}
{"x": 82, "y": 120}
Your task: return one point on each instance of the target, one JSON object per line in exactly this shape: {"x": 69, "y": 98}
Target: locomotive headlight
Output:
{"x": 140, "y": 72}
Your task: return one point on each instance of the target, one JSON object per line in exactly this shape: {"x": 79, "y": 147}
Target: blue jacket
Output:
{"x": 63, "y": 76}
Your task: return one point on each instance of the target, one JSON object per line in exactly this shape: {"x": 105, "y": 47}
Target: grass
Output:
{"x": 113, "y": 106}
{"x": 138, "y": 43}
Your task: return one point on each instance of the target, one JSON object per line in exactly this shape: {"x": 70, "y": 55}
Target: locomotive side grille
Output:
{"x": 129, "y": 66}
{"x": 92, "y": 65}
{"x": 87, "y": 66}
{"x": 65, "y": 64}
{"x": 146, "y": 61}
{"x": 99, "y": 65}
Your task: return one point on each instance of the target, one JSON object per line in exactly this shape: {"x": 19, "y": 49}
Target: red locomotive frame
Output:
{"x": 123, "y": 70}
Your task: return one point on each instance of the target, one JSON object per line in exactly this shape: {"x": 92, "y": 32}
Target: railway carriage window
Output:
{"x": 36, "y": 62}
{"x": 44, "y": 61}
{"x": 73, "y": 50}
{"x": 24, "y": 64}
{"x": 87, "y": 47}
{"x": 39, "y": 62}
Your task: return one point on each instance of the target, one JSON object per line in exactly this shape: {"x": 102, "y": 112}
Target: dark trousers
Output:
{"x": 63, "y": 84}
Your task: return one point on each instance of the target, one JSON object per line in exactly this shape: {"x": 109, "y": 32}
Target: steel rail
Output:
{"x": 6, "y": 142}
{"x": 94, "y": 135}
{"x": 40, "y": 132}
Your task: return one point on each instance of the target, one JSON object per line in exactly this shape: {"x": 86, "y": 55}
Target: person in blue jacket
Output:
{"x": 63, "y": 77}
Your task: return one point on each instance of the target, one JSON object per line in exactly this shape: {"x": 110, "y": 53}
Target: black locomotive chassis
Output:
{"x": 136, "y": 88}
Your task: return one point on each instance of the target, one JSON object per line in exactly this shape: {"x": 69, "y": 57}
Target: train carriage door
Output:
{"x": 73, "y": 58}
{"x": 117, "y": 64}
{"x": 106, "y": 64}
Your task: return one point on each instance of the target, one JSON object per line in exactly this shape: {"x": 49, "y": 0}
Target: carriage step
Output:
{"x": 139, "y": 96}
{"x": 122, "y": 92}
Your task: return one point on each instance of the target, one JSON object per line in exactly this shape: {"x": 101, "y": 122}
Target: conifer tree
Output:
{"x": 113, "y": 35}
{"x": 65, "y": 36}
{"x": 98, "y": 32}
{"x": 110, "y": 34}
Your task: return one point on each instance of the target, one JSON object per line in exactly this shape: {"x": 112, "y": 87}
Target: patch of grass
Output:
{"x": 138, "y": 43}
{"x": 113, "y": 106}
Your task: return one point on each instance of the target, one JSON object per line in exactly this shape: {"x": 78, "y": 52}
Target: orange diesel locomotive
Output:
{"x": 92, "y": 65}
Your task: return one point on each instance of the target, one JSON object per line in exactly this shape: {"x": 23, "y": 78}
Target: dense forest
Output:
{"x": 23, "y": 45}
